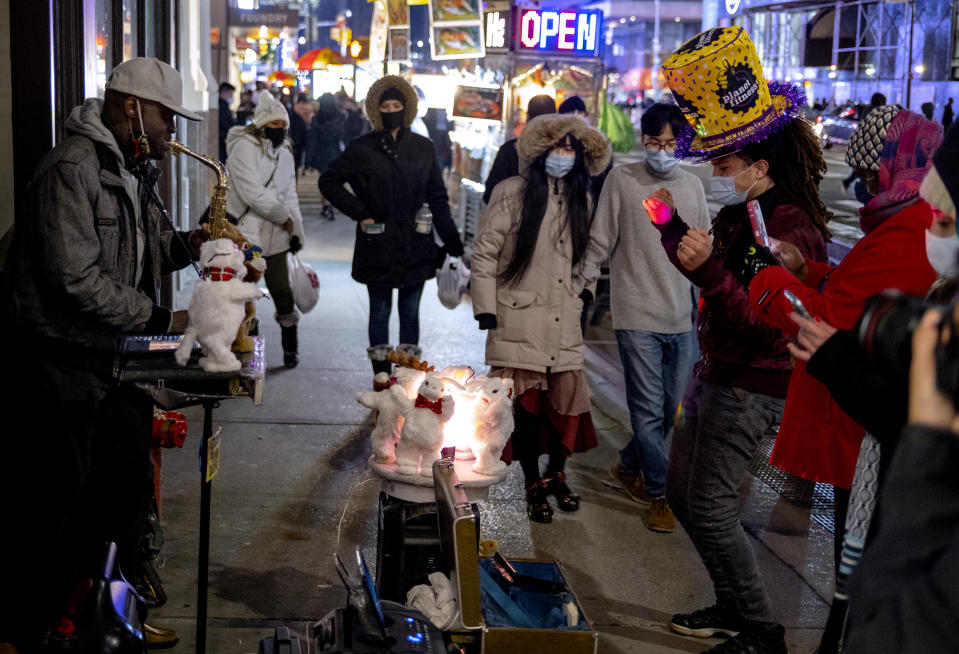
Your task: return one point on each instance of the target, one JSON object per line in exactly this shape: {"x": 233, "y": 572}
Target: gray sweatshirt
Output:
{"x": 647, "y": 292}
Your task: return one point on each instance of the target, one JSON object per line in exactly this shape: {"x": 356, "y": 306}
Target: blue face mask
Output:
{"x": 661, "y": 161}
{"x": 558, "y": 165}
{"x": 723, "y": 190}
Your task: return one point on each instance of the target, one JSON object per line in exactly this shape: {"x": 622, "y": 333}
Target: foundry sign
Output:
{"x": 561, "y": 32}
{"x": 281, "y": 17}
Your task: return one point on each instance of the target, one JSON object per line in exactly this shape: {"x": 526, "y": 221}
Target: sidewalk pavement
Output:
{"x": 294, "y": 488}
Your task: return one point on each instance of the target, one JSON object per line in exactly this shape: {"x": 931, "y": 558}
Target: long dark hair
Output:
{"x": 535, "y": 198}
{"x": 797, "y": 166}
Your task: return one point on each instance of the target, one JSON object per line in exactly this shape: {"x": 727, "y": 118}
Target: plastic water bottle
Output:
{"x": 424, "y": 220}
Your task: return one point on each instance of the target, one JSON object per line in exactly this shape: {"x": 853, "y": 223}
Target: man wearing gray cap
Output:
{"x": 84, "y": 268}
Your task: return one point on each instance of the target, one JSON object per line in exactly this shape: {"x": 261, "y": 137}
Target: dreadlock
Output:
{"x": 796, "y": 165}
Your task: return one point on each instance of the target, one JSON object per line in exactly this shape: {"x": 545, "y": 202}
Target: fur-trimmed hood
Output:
{"x": 544, "y": 132}
{"x": 379, "y": 87}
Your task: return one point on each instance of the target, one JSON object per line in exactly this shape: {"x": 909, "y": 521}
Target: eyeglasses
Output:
{"x": 657, "y": 147}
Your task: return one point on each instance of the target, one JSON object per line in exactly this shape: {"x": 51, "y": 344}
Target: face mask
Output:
{"x": 661, "y": 161}
{"x": 558, "y": 165}
{"x": 276, "y": 135}
{"x": 942, "y": 252}
{"x": 724, "y": 190}
{"x": 392, "y": 119}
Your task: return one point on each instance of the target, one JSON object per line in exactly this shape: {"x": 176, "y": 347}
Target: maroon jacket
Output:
{"x": 739, "y": 347}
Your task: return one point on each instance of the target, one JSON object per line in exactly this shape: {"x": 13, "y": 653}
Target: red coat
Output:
{"x": 817, "y": 440}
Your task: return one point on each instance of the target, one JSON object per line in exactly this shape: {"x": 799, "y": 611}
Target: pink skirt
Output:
{"x": 562, "y": 398}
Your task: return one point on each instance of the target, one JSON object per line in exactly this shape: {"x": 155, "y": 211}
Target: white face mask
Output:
{"x": 558, "y": 165}
{"x": 942, "y": 252}
{"x": 724, "y": 191}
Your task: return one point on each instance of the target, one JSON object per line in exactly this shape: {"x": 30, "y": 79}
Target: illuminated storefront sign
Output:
{"x": 498, "y": 30}
{"x": 560, "y": 31}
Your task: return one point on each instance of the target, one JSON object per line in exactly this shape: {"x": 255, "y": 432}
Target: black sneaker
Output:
{"x": 707, "y": 622}
{"x": 755, "y": 638}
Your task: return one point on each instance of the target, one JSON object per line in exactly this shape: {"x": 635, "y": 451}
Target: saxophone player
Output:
{"x": 84, "y": 268}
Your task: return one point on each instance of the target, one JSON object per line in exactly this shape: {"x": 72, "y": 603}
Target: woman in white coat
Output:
{"x": 528, "y": 291}
{"x": 263, "y": 199}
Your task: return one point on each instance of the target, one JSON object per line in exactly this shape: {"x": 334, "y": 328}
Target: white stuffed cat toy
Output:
{"x": 422, "y": 435}
{"x": 217, "y": 306}
{"x": 494, "y": 422}
{"x": 390, "y": 405}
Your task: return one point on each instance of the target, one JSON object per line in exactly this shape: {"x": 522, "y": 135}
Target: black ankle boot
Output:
{"x": 290, "y": 343}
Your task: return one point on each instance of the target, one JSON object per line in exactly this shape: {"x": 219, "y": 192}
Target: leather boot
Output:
{"x": 288, "y": 338}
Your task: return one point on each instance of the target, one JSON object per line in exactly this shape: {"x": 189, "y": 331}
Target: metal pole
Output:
{"x": 836, "y": 26}
{"x": 203, "y": 565}
{"x": 654, "y": 72}
{"x": 912, "y": 7}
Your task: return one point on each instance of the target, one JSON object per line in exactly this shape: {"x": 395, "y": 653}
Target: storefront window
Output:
{"x": 129, "y": 29}
{"x": 104, "y": 25}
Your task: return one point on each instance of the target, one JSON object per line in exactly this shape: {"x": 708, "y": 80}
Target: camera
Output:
{"x": 885, "y": 332}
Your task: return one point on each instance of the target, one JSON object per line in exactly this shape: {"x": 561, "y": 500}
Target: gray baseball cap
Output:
{"x": 151, "y": 79}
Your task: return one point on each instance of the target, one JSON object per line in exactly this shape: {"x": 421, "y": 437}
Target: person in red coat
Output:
{"x": 891, "y": 151}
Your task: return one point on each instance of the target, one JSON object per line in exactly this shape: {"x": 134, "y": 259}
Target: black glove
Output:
{"x": 486, "y": 321}
{"x": 755, "y": 259}
{"x": 586, "y": 296}
{"x": 454, "y": 247}
{"x": 295, "y": 244}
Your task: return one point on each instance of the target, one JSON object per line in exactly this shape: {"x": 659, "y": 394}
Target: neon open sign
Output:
{"x": 560, "y": 31}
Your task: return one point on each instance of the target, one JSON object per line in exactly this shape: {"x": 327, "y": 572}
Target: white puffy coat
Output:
{"x": 251, "y": 160}
{"x": 537, "y": 316}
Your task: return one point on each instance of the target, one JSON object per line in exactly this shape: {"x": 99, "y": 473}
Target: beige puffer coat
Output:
{"x": 537, "y": 317}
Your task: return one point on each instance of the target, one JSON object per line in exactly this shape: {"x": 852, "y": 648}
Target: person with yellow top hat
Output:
{"x": 761, "y": 149}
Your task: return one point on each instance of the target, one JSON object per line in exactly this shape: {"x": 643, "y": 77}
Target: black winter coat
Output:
{"x": 390, "y": 189}
{"x": 904, "y": 597}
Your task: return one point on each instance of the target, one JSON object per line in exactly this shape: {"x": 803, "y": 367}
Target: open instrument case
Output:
{"x": 506, "y": 607}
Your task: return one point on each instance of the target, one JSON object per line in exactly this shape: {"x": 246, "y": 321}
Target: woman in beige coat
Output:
{"x": 528, "y": 291}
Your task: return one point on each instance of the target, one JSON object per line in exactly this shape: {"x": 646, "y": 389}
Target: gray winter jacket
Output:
{"x": 73, "y": 266}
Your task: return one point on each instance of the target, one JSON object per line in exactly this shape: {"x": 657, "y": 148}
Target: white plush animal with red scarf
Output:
{"x": 494, "y": 422}
{"x": 422, "y": 435}
{"x": 217, "y": 306}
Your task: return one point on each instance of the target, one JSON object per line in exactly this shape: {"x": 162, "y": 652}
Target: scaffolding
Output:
{"x": 847, "y": 50}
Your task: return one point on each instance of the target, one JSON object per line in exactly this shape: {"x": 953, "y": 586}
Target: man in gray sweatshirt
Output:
{"x": 653, "y": 305}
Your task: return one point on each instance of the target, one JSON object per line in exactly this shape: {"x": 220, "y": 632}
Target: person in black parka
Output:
{"x": 326, "y": 140}
{"x": 392, "y": 173}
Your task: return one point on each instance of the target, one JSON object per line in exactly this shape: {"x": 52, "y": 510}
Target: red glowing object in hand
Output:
{"x": 659, "y": 212}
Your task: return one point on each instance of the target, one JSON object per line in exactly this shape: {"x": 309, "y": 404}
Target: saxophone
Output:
{"x": 220, "y": 227}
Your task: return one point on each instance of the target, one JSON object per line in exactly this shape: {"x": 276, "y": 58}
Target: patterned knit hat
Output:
{"x": 866, "y": 143}
{"x": 718, "y": 82}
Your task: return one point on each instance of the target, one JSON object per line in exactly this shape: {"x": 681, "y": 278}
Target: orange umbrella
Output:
{"x": 318, "y": 58}
{"x": 283, "y": 77}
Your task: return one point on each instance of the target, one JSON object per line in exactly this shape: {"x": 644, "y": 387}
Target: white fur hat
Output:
{"x": 269, "y": 109}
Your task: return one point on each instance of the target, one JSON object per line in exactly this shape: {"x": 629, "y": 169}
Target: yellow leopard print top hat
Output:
{"x": 718, "y": 82}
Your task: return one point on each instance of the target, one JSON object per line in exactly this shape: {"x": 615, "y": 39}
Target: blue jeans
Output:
{"x": 408, "y": 307}
{"x": 657, "y": 367}
{"x": 707, "y": 463}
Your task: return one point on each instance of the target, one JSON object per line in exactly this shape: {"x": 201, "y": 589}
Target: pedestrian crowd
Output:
{"x": 730, "y": 327}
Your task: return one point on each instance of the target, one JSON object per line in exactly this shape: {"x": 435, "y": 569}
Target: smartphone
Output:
{"x": 373, "y": 228}
{"x": 756, "y": 220}
{"x": 797, "y": 304}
